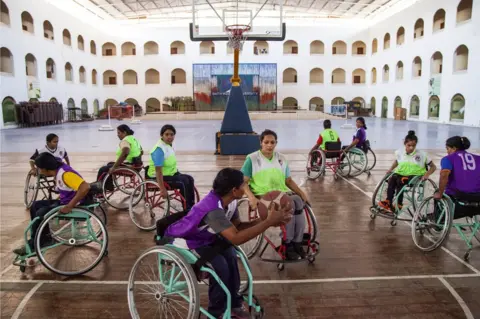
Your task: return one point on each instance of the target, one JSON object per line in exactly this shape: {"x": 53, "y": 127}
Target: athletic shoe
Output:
{"x": 385, "y": 204}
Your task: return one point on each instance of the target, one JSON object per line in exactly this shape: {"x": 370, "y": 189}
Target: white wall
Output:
{"x": 446, "y": 41}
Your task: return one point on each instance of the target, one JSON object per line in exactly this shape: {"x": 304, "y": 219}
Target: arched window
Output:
{"x": 374, "y": 75}
{"x": 386, "y": 73}
{"x": 417, "y": 67}
{"x": 397, "y": 102}
{"x": 109, "y": 77}
{"x": 109, "y": 49}
{"x": 439, "y": 20}
{"x": 316, "y": 75}
{"x": 374, "y": 46}
{"x": 8, "y": 109}
{"x": 130, "y": 77}
{"x": 316, "y": 104}
{"x": 93, "y": 48}
{"x": 358, "y": 76}
{"x": 6, "y": 61}
{"x": 27, "y": 22}
{"x": 461, "y": 58}
{"x": 80, "y": 43}
{"x": 400, "y": 36}
{"x": 418, "y": 29}
{"x": 359, "y": 48}
{"x": 51, "y": 69}
{"x": 260, "y": 47}
{"x": 177, "y": 47}
{"x": 150, "y": 48}
{"x": 94, "y": 77}
{"x": 384, "y": 107}
{"x": 337, "y": 101}
{"x": 4, "y": 14}
{"x": 84, "y": 106}
{"x": 83, "y": 75}
{"x": 373, "y": 105}
{"x": 68, "y": 72}
{"x": 338, "y": 76}
{"x": 414, "y": 106}
{"x": 436, "y": 63}
{"x": 339, "y": 47}
{"x": 128, "y": 48}
{"x": 290, "y": 47}
{"x": 47, "y": 30}
{"x": 317, "y": 47}
{"x": 153, "y": 105}
{"x": 207, "y": 47}
{"x": 399, "y": 71}
{"x": 110, "y": 102}
{"x": 31, "y": 65}
{"x": 386, "y": 41}
{"x": 67, "y": 38}
{"x": 457, "y": 108}
{"x": 152, "y": 76}
{"x": 179, "y": 76}
{"x": 464, "y": 10}
{"x": 290, "y": 103}
{"x": 289, "y": 75}
{"x": 434, "y": 107}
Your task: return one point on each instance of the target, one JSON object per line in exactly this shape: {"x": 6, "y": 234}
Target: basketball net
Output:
{"x": 237, "y": 35}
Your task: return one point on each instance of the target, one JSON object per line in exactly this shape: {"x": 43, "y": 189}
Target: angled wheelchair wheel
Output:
{"x": 311, "y": 230}
{"x": 79, "y": 247}
{"x": 316, "y": 162}
{"x": 380, "y": 192}
{"x": 358, "y": 161}
{"x": 345, "y": 166}
{"x": 122, "y": 187}
{"x": 31, "y": 189}
{"x": 431, "y": 223}
{"x": 151, "y": 207}
{"x": 422, "y": 190}
{"x": 164, "y": 284}
{"x": 251, "y": 247}
{"x": 371, "y": 160}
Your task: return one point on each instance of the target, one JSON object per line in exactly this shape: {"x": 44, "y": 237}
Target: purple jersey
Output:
{"x": 465, "y": 172}
{"x": 361, "y": 135}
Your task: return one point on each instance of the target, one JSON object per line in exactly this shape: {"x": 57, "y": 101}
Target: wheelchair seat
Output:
{"x": 333, "y": 149}
{"x": 468, "y": 199}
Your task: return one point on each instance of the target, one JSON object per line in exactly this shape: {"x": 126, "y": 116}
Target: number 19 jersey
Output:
{"x": 465, "y": 172}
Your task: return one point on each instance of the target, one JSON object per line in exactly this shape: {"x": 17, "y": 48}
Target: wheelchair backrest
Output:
{"x": 333, "y": 146}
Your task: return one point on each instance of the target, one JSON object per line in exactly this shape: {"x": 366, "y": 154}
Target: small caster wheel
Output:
{"x": 280, "y": 267}
{"x": 466, "y": 257}
{"x": 393, "y": 223}
{"x": 373, "y": 216}
{"x": 105, "y": 253}
{"x": 311, "y": 259}
{"x": 22, "y": 268}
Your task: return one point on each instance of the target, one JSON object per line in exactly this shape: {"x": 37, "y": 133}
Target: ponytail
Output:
{"x": 459, "y": 142}
{"x": 125, "y": 129}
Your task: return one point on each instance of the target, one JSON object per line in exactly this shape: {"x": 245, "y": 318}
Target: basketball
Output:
{"x": 280, "y": 198}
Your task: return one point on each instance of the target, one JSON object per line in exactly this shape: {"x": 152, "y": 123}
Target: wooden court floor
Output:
{"x": 365, "y": 269}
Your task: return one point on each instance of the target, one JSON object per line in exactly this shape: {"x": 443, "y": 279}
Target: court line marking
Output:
{"x": 6, "y": 270}
{"x": 25, "y": 300}
{"x": 475, "y": 270}
{"x": 459, "y": 299}
{"x": 260, "y": 282}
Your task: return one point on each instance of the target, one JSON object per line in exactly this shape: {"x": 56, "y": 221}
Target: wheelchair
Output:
{"x": 171, "y": 279}
{"x": 147, "y": 205}
{"x": 35, "y": 184}
{"x": 362, "y": 160}
{"x": 125, "y": 179}
{"x": 414, "y": 192}
{"x": 333, "y": 158}
{"x": 80, "y": 232}
{"x": 274, "y": 237}
{"x": 434, "y": 219}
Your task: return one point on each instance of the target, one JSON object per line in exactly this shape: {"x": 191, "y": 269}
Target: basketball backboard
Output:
{"x": 210, "y": 18}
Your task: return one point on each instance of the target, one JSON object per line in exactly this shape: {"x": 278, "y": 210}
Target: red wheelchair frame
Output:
{"x": 337, "y": 157}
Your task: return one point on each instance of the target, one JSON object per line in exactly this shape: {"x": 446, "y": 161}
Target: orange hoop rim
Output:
{"x": 237, "y": 28}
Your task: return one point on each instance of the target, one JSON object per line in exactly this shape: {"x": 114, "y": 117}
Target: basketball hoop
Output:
{"x": 236, "y": 35}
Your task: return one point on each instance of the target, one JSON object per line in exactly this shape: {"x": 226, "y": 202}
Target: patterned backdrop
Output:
{"x": 211, "y": 85}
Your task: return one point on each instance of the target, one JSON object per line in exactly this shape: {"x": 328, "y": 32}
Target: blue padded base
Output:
{"x": 236, "y": 118}
{"x": 239, "y": 144}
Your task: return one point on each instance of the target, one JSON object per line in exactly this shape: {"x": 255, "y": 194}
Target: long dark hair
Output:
{"x": 361, "y": 119}
{"x": 459, "y": 142}
{"x": 125, "y": 129}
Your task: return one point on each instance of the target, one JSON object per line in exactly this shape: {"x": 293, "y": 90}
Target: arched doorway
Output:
{"x": 457, "y": 108}
{"x": 95, "y": 107}
{"x": 316, "y": 104}
{"x": 414, "y": 106}
{"x": 84, "y": 106}
{"x": 53, "y": 100}
{"x": 71, "y": 103}
{"x": 373, "y": 103}
{"x": 384, "y": 107}
{"x": 434, "y": 107}
{"x": 8, "y": 110}
{"x": 290, "y": 103}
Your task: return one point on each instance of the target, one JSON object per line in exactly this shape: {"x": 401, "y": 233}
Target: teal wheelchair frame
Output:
{"x": 72, "y": 237}
{"x": 359, "y": 161}
{"x": 413, "y": 192}
{"x": 168, "y": 284}
{"x": 434, "y": 219}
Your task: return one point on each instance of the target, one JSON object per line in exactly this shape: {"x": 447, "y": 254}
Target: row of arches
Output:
{"x": 464, "y": 13}
{"x": 457, "y": 107}
{"x": 290, "y": 75}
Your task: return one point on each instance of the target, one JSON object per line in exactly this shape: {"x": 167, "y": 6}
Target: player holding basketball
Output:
{"x": 267, "y": 170}
{"x": 212, "y": 226}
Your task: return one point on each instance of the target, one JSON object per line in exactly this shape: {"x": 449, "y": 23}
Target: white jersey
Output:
{"x": 60, "y": 152}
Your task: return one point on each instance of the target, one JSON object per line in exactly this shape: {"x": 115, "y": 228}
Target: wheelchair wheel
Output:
{"x": 124, "y": 182}
{"x": 85, "y": 235}
{"x": 162, "y": 281}
{"x": 151, "y": 207}
{"x": 311, "y": 225}
{"x": 431, "y": 224}
{"x": 371, "y": 160}
{"x": 31, "y": 189}
{"x": 380, "y": 192}
{"x": 422, "y": 190}
{"x": 317, "y": 168}
{"x": 358, "y": 161}
{"x": 345, "y": 167}
{"x": 251, "y": 247}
